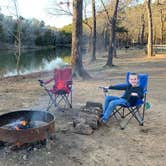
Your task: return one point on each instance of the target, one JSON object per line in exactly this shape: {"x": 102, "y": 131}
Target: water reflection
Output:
{"x": 33, "y": 61}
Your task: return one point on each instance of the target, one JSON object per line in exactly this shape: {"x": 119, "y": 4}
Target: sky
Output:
{"x": 38, "y": 9}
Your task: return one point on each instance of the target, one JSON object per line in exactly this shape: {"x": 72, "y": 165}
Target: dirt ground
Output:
{"x": 108, "y": 145}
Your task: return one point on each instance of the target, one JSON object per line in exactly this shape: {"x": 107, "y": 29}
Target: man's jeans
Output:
{"x": 109, "y": 105}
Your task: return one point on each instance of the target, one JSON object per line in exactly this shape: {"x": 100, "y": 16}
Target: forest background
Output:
{"x": 115, "y": 25}
{"x": 131, "y": 27}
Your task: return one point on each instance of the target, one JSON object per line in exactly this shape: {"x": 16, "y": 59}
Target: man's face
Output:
{"x": 133, "y": 80}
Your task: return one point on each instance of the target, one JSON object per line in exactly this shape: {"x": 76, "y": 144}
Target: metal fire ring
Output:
{"x": 36, "y": 133}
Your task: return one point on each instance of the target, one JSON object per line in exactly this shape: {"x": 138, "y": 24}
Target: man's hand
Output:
{"x": 105, "y": 89}
{"x": 41, "y": 82}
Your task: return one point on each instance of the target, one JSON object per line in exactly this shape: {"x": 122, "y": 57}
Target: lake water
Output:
{"x": 33, "y": 61}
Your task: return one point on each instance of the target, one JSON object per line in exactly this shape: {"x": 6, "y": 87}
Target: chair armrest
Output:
{"x": 145, "y": 91}
{"x": 48, "y": 81}
{"x": 118, "y": 87}
{"x": 105, "y": 89}
{"x": 41, "y": 82}
{"x": 69, "y": 84}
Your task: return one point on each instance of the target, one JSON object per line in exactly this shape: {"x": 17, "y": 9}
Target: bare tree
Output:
{"x": 64, "y": 8}
{"x": 112, "y": 42}
{"x": 76, "y": 59}
{"x": 93, "y": 31}
{"x": 142, "y": 29}
{"x": 89, "y": 25}
{"x": 150, "y": 29}
{"x": 17, "y": 36}
{"x": 12, "y": 7}
{"x": 162, "y": 9}
{"x": 60, "y": 8}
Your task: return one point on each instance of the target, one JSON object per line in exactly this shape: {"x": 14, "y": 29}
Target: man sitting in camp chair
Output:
{"x": 133, "y": 93}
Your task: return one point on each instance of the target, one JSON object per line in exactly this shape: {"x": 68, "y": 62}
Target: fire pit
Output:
{"x": 26, "y": 126}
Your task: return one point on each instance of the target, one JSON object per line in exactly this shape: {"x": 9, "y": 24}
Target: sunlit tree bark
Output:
{"x": 162, "y": 20}
{"x": 150, "y": 29}
{"x": 93, "y": 31}
{"x": 142, "y": 30}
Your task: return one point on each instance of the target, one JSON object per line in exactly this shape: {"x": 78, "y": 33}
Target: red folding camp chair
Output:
{"x": 60, "y": 93}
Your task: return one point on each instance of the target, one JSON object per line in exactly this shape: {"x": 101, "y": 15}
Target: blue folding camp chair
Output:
{"x": 129, "y": 111}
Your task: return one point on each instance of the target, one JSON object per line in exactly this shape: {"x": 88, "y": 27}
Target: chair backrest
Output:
{"x": 143, "y": 80}
{"x": 64, "y": 74}
{"x": 62, "y": 78}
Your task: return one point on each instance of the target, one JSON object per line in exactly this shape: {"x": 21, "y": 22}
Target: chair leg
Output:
{"x": 139, "y": 119}
{"x": 133, "y": 112}
{"x": 71, "y": 98}
{"x": 116, "y": 111}
{"x": 51, "y": 102}
{"x": 123, "y": 116}
{"x": 136, "y": 114}
{"x": 114, "y": 114}
{"x": 65, "y": 98}
{"x": 124, "y": 126}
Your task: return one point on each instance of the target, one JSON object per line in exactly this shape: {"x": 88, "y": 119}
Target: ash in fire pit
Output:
{"x": 23, "y": 124}
{"x": 26, "y": 126}
{"x": 20, "y": 125}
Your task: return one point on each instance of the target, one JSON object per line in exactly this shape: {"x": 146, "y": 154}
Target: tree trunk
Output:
{"x": 18, "y": 38}
{"x": 142, "y": 29}
{"x": 150, "y": 29}
{"x": 114, "y": 51}
{"x": 19, "y": 48}
{"x": 106, "y": 37}
{"x": 112, "y": 36}
{"x": 93, "y": 32}
{"x": 76, "y": 59}
{"x": 162, "y": 19}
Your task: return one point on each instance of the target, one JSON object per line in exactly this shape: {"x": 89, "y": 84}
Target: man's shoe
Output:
{"x": 102, "y": 122}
